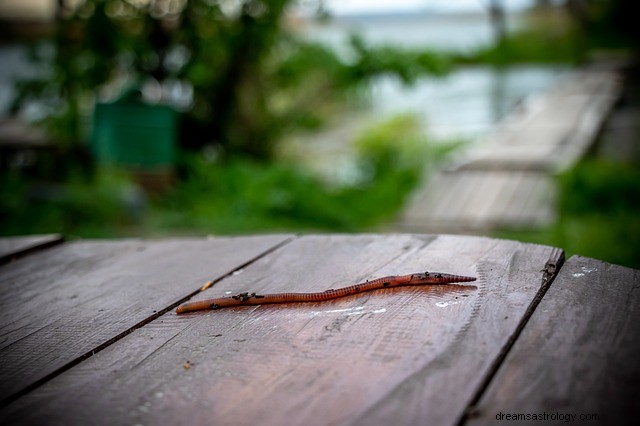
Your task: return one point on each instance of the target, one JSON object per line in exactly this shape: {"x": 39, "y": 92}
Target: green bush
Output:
{"x": 237, "y": 195}
{"x": 246, "y": 196}
{"x": 599, "y": 214}
{"x": 105, "y": 205}
{"x": 600, "y": 188}
{"x": 532, "y": 45}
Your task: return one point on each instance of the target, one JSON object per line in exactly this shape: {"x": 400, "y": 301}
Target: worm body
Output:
{"x": 242, "y": 299}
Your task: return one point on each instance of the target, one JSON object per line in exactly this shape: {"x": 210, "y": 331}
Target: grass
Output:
{"x": 599, "y": 214}
{"x": 230, "y": 197}
{"x": 242, "y": 196}
{"x": 101, "y": 206}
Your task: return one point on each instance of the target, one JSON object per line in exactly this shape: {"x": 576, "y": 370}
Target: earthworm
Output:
{"x": 243, "y": 299}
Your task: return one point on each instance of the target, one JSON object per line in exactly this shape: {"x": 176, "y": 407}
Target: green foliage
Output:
{"x": 393, "y": 145}
{"x": 105, "y": 205}
{"x": 600, "y": 188}
{"x": 234, "y": 196}
{"x": 599, "y": 214}
{"x": 532, "y": 46}
{"x": 610, "y": 24}
{"x": 564, "y": 34}
{"x": 310, "y": 82}
{"x": 245, "y": 196}
{"x": 251, "y": 81}
{"x": 406, "y": 64}
{"x": 546, "y": 37}
{"x": 304, "y": 61}
{"x": 105, "y": 44}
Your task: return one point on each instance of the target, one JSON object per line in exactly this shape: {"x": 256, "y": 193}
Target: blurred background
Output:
{"x": 194, "y": 117}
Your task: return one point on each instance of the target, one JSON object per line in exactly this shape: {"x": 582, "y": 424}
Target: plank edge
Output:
{"x": 550, "y": 271}
{"x": 55, "y": 239}
{"x": 89, "y": 353}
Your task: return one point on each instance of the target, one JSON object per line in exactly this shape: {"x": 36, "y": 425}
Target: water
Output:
{"x": 460, "y": 32}
{"x": 467, "y": 103}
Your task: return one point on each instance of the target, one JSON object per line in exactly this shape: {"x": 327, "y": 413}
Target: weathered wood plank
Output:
{"x": 496, "y": 213}
{"x": 490, "y": 197}
{"x": 548, "y": 135}
{"x": 539, "y": 209}
{"x": 523, "y": 203}
{"x": 14, "y": 247}
{"x": 445, "y": 205}
{"x": 397, "y": 356}
{"x": 58, "y": 306}
{"x": 560, "y": 111}
{"x": 579, "y": 352}
{"x": 537, "y": 157}
{"x": 464, "y": 198}
{"x": 471, "y": 198}
{"x": 485, "y": 199}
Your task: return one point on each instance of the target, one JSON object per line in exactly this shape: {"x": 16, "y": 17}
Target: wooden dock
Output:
{"x": 507, "y": 180}
{"x": 89, "y": 333}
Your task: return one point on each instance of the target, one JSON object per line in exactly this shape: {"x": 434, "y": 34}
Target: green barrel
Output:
{"x": 135, "y": 135}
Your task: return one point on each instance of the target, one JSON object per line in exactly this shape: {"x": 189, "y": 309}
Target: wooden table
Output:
{"x": 90, "y": 334}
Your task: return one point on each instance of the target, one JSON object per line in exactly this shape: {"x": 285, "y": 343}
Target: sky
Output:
{"x": 367, "y": 6}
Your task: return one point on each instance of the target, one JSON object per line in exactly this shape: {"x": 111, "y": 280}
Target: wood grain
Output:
{"x": 474, "y": 200}
{"x": 14, "y": 247}
{"x": 394, "y": 356}
{"x": 580, "y": 352}
{"x": 58, "y": 306}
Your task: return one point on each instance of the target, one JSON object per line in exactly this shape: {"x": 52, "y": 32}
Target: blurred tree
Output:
{"x": 607, "y": 22}
{"x": 498, "y": 21}
{"x": 228, "y": 70}
{"x": 578, "y": 10}
{"x": 495, "y": 9}
{"x": 246, "y": 78}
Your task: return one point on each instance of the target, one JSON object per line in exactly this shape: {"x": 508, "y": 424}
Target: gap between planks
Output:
{"x": 551, "y": 271}
{"x": 30, "y": 245}
{"x": 22, "y": 392}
